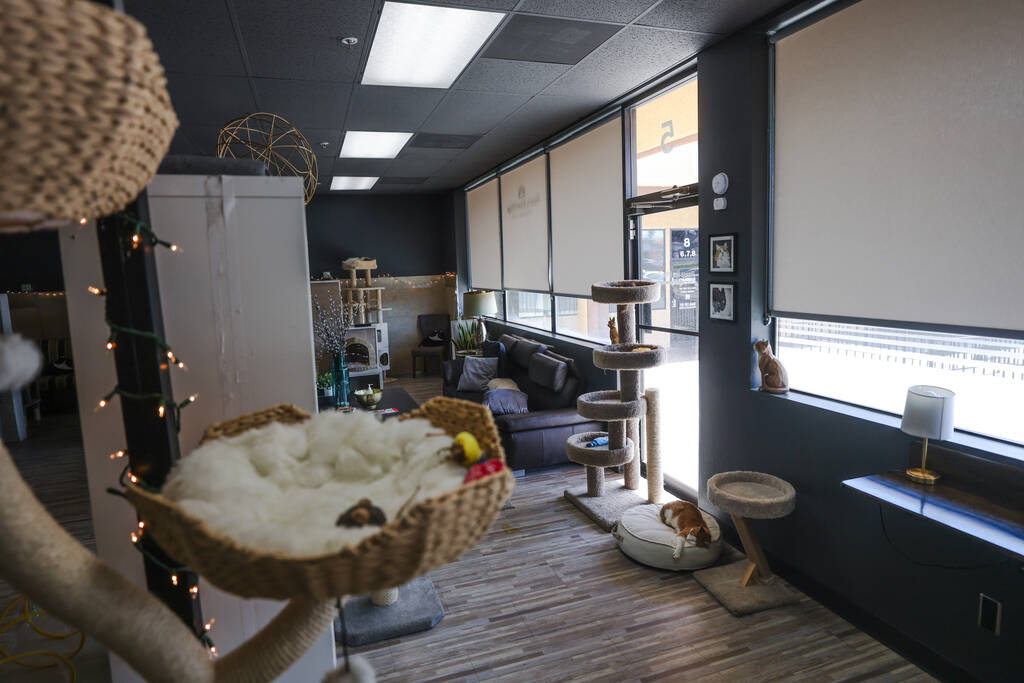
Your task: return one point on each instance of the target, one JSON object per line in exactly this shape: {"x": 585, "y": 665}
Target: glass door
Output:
{"x": 665, "y": 232}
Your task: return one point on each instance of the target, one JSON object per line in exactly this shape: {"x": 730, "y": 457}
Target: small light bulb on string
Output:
{"x": 142, "y": 525}
{"x": 194, "y": 591}
{"x": 135, "y": 537}
{"x": 193, "y": 398}
{"x": 111, "y": 346}
{"x": 181, "y": 365}
{"x": 170, "y": 356}
{"x": 213, "y": 652}
{"x": 96, "y": 291}
{"x": 161, "y": 410}
{"x": 175, "y": 248}
{"x": 208, "y": 625}
{"x": 83, "y": 220}
{"x": 117, "y": 454}
{"x": 136, "y": 240}
{"x": 102, "y": 403}
{"x": 132, "y": 478}
{"x": 174, "y": 579}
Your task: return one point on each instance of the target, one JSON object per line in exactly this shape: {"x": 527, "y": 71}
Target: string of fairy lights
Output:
{"x": 143, "y": 235}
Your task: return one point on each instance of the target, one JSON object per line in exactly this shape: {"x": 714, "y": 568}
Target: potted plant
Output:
{"x": 325, "y": 385}
{"x": 465, "y": 337}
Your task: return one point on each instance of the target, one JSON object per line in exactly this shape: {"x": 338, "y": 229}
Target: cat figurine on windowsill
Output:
{"x": 774, "y": 378}
{"x": 686, "y": 519}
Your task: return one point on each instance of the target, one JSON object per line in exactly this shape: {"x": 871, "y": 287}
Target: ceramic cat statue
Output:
{"x": 774, "y": 378}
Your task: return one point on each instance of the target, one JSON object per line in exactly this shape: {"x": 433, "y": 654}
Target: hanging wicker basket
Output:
{"x": 85, "y": 118}
{"x": 431, "y": 533}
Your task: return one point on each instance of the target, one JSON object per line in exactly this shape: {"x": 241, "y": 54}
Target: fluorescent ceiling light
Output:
{"x": 353, "y": 182}
{"x": 424, "y": 46}
{"x": 362, "y": 144}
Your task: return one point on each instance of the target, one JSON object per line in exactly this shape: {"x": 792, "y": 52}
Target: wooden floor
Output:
{"x": 421, "y": 388}
{"x": 547, "y": 596}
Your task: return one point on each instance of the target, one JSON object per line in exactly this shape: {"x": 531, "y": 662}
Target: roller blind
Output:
{"x": 586, "y": 210}
{"x": 484, "y": 236}
{"x": 899, "y": 164}
{"x": 524, "y": 226}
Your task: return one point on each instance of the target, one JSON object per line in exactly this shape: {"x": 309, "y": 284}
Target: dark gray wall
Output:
{"x": 30, "y": 258}
{"x": 833, "y": 541}
{"x": 407, "y": 234}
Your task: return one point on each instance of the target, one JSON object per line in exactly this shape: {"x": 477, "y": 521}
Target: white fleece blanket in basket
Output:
{"x": 281, "y": 488}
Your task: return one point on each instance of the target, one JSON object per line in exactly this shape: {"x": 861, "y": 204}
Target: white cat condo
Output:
{"x": 621, "y": 408}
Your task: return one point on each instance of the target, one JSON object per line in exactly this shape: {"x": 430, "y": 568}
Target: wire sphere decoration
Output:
{"x": 271, "y": 139}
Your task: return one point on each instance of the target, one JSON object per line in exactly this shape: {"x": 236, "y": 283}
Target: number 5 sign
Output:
{"x": 666, "y": 137}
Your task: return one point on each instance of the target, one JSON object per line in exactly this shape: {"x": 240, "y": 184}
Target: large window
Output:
{"x": 529, "y": 308}
{"x": 669, "y": 253}
{"x": 665, "y": 140}
{"x": 873, "y": 366}
{"x": 583, "y": 318}
{"x": 664, "y": 155}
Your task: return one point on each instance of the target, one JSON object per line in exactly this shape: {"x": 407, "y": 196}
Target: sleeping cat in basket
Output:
{"x": 686, "y": 519}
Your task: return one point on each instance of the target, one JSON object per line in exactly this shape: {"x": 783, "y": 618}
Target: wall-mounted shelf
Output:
{"x": 962, "y": 506}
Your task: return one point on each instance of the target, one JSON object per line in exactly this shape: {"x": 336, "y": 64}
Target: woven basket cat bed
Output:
{"x": 643, "y": 536}
{"x": 85, "y": 117}
{"x": 429, "y": 534}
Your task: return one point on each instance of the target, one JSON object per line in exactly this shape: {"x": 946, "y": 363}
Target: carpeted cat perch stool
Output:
{"x": 390, "y": 613}
{"x": 621, "y": 409}
{"x": 749, "y": 586}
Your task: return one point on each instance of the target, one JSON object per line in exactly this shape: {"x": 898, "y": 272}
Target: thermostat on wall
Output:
{"x": 720, "y": 183}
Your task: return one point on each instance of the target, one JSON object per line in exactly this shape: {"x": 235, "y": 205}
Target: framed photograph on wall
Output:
{"x": 721, "y": 304}
{"x": 722, "y": 250}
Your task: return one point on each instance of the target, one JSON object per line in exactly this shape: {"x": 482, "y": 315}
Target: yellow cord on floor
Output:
{"x": 27, "y": 616}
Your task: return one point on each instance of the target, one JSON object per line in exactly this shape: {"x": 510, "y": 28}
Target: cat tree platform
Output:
{"x": 621, "y": 408}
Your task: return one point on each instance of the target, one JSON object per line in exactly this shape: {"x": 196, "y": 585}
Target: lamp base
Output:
{"x": 923, "y": 476}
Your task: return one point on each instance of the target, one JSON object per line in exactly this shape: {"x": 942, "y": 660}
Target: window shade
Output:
{"x": 484, "y": 236}
{"x": 586, "y": 210}
{"x": 524, "y": 225}
{"x": 899, "y": 164}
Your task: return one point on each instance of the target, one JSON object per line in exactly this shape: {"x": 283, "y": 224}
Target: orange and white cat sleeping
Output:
{"x": 686, "y": 519}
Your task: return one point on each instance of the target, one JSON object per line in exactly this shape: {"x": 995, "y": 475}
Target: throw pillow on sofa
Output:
{"x": 477, "y": 372}
{"x": 506, "y": 401}
{"x": 502, "y": 383}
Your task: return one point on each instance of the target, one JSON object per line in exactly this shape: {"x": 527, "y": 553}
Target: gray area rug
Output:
{"x": 607, "y": 509}
{"x": 418, "y": 609}
{"x": 723, "y": 582}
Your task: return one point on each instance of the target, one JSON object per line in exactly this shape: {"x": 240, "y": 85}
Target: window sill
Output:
{"x": 992, "y": 449}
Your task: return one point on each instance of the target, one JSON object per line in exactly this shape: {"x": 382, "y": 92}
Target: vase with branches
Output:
{"x": 330, "y": 326}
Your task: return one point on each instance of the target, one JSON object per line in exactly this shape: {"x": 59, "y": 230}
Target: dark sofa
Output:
{"x": 551, "y": 382}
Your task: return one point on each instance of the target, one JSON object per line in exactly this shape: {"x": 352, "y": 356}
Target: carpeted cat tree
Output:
{"x": 621, "y": 408}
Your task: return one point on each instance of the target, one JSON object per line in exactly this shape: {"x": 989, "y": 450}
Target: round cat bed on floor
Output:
{"x": 642, "y": 535}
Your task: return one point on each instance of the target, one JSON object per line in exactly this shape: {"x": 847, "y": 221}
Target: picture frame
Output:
{"x": 722, "y": 301}
{"x": 722, "y": 253}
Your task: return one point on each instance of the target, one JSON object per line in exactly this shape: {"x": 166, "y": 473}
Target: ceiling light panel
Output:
{"x": 424, "y": 46}
{"x": 353, "y": 182}
{"x": 364, "y": 144}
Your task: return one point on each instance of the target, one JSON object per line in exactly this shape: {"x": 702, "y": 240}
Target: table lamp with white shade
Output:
{"x": 477, "y": 304}
{"x": 928, "y": 415}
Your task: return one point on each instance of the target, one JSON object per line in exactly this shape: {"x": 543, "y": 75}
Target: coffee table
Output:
{"x": 394, "y": 397}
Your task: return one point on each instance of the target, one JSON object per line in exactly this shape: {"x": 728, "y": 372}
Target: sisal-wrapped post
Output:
{"x": 384, "y": 597}
{"x": 595, "y": 481}
{"x": 655, "y": 478}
